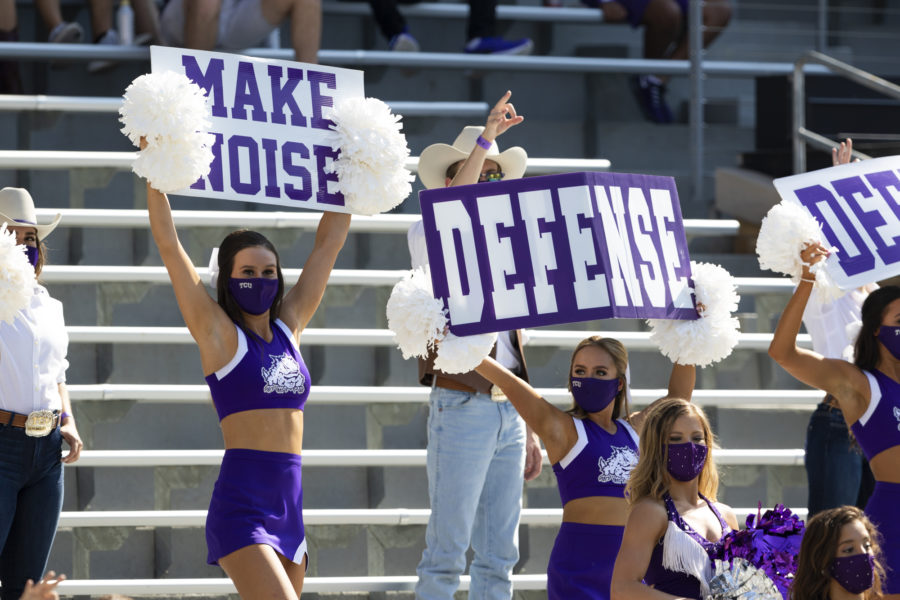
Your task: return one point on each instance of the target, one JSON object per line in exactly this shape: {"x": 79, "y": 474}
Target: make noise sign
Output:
{"x": 270, "y": 120}
{"x": 558, "y": 249}
{"x": 857, "y": 206}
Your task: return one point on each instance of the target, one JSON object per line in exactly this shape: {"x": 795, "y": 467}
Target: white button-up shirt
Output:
{"x": 33, "y": 356}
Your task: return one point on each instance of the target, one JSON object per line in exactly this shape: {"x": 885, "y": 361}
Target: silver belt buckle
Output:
{"x": 39, "y": 423}
{"x": 497, "y": 394}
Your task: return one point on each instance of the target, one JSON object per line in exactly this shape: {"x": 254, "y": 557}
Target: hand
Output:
{"x": 533, "y": 457}
{"x": 502, "y": 117}
{"x": 70, "y": 434}
{"x": 45, "y": 589}
{"x": 842, "y": 155}
{"x": 810, "y": 255}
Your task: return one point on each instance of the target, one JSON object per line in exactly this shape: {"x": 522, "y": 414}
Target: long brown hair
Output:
{"x": 233, "y": 243}
{"x": 619, "y": 354}
{"x": 650, "y": 477}
{"x": 866, "y": 347}
{"x": 818, "y": 549}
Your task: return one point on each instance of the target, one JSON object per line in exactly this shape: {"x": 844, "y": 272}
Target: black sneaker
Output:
{"x": 650, "y": 93}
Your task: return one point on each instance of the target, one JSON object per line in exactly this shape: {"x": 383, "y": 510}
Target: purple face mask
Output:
{"x": 593, "y": 395}
{"x": 255, "y": 294}
{"x": 685, "y": 461}
{"x": 855, "y": 573}
{"x": 890, "y": 337}
{"x": 32, "y": 253}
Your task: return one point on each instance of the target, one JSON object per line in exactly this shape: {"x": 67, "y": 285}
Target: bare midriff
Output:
{"x": 886, "y": 465}
{"x": 267, "y": 429}
{"x": 596, "y": 510}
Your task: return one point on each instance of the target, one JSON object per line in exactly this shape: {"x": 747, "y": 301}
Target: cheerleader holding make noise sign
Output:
{"x": 593, "y": 447}
{"x": 867, "y": 391}
{"x": 249, "y": 351}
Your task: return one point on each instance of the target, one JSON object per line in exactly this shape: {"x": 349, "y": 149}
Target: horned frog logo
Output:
{"x": 897, "y": 416}
{"x": 618, "y": 466}
{"x": 283, "y": 376}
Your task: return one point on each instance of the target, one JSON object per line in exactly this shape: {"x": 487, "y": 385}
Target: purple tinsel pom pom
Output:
{"x": 771, "y": 543}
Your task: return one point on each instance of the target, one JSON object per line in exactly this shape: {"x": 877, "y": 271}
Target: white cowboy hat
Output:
{"x": 17, "y": 209}
{"x": 437, "y": 158}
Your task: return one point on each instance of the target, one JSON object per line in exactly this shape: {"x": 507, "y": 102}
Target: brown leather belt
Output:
{"x": 452, "y": 384}
{"x": 17, "y": 420}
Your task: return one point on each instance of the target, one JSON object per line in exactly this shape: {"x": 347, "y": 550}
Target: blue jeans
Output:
{"x": 833, "y": 465}
{"x": 476, "y": 459}
{"x": 31, "y": 492}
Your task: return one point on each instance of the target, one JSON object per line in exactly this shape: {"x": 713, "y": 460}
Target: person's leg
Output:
{"x": 61, "y": 32}
{"x": 36, "y": 509}
{"x": 201, "y": 23}
{"x": 10, "y": 81}
{"x": 101, "y": 17}
{"x": 716, "y": 16}
{"x": 462, "y": 434}
{"x": 146, "y": 21}
{"x": 388, "y": 17}
{"x": 495, "y": 534}
{"x": 295, "y": 572}
{"x": 482, "y": 18}
{"x": 257, "y": 572}
{"x": 833, "y": 466}
{"x": 8, "y": 20}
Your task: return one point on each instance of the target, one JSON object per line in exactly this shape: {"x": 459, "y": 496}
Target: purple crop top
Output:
{"x": 879, "y": 427}
{"x": 686, "y": 544}
{"x": 599, "y": 463}
{"x": 261, "y": 375}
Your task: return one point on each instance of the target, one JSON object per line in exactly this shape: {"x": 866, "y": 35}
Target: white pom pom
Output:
{"x": 462, "y": 354}
{"x": 16, "y": 276}
{"x": 172, "y": 114}
{"x": 161, "y": 106}
{"x": 714, "y": 335}
{"x": 414, "y": 315}
{"x": 784, "y": 232}
{"x": 175, "y": 165}
{"x": 370, "y": 169}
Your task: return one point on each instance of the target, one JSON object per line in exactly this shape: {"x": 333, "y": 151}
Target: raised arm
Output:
{"x": 681, "y": 385}
{"x": 645, "y": 526}
{"x": 502, "y": 117}
{"x": 844, "y": 381}
{"x": 301, "y": 302}
{"x": 553, "y": 426}
{"x": 207, "y": 322}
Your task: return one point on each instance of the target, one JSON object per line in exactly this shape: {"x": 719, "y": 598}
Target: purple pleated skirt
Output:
{"x": 582, "y": 560}
{"x": 257, "y": 499}
{"x": 883, "y": 512}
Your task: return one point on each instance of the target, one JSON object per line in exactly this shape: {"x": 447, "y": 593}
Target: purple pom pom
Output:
{"x": 771, "y": 543}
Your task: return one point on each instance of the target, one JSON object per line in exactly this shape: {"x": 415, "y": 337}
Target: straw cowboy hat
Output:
{"x": 436, "y": 158}
{"x": 17, "y": 209}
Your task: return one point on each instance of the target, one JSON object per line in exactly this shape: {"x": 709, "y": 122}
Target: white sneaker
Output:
{"x": 110, "y": 38}
{"x": 66, "y": 33}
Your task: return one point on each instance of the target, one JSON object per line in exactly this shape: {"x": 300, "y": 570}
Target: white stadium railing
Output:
{"x": 367, "y": 277}
{"x": 356, "y": 395}
{"x": 220, "y": 587}
{"x": 98, "y": 104}
{"x": 75, "y": 159}
{"x": 370, "y": 458}
{"x": 387, "y": 223}
{"x": 634, "y": 340}
{"x": 534, "y": 517}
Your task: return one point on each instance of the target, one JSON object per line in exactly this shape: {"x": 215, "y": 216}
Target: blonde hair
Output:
{"x": 619, "y": 354}
{"x": 650, "y": 477}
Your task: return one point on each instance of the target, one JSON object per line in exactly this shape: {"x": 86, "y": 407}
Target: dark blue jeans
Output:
{"x": 31, "y": 492}
{"x": 833, "y": 463}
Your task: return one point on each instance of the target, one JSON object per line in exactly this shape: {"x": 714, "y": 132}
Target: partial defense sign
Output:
{"x": 858, "y": 207}
{"x": 270, "y": 119}
{"x": 558, "y": 249}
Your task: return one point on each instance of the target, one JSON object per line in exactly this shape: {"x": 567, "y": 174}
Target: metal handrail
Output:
{"x": 802, "y": 135}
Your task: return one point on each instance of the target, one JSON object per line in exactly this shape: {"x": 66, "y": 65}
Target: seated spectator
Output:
{"x": 665, "y": 29}
{"x": 481, "y": 32}
{"x": 239, "y": 24}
